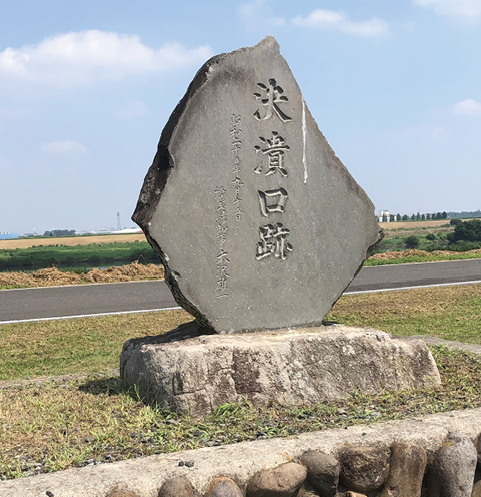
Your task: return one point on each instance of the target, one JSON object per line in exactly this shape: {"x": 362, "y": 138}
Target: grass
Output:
{"x": 423, "y": 258}
{"x": 451, "y": 313}
{"x": 76, "y": 345}
{"x": 94, "y": 253}
{"x": 53, "y": 425}
{"x": 94, "y": 344}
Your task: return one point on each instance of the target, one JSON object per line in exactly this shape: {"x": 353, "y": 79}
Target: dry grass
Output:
{"x": 422, "y": 253}
{"x": 54, "y": 277}
{"x": 414, "y": 224}
{"x": 70, "y": 241}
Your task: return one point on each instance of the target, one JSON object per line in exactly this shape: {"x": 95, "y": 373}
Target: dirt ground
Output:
{"x": 70, "y": 240}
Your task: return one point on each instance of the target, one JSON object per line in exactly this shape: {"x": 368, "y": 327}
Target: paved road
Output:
{"x": 48, "y": 303}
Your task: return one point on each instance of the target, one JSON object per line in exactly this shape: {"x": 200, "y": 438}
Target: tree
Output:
{"x": 439, "y": 215}
{"x": 423, "y": 217}
{"x": 384, "y": 218}
{"x": 413, "y": 217}
{"x": 411, "y": 242}
{"x": 405, "y": 217}
{"x": 428, "y": 216}
{"x": 467, "y": 231}
{"x": 431, "y": 237}
{"x": 398, "y": 217}
{"x": 418, "y": 216}
{"x": 444, "y": 215}
{"x": 455, "y": 221}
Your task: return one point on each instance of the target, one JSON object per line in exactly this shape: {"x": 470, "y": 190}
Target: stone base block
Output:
{"x": 187, "y": 372}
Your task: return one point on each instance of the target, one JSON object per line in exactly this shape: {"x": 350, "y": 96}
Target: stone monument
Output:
{"x": 260, "y": 228}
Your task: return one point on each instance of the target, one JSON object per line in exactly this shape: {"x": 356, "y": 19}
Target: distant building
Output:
{"x": 8, "y": 235}
{"x": 383, "y": 214}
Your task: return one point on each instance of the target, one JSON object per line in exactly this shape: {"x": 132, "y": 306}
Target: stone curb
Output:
{"x": 241, "y": 461}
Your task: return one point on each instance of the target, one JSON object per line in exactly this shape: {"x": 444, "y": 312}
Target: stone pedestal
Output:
{"x": 189, "y": 372}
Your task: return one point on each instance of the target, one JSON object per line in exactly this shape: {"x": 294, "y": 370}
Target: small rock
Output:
{"x": 455, "y": 465}
{"x": 322, "y": 472}
{"x": 181, "y": 463}
{"x": 223, "y": 487}
{"x": 177, "y": 487}
{"x": 49, "y": 494}
{"x": 189, "y": 464}
{"x": 476, "y": 489}
{"x": 283, "y": 481}
{"x": 408, "y": 464}
{"x": 354, "y": 494}
{"x": 364, "y": 469}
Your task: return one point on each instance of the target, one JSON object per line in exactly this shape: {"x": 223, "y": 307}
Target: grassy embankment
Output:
{"x": 93, "y": 254}
{"x": 96, "y": 421}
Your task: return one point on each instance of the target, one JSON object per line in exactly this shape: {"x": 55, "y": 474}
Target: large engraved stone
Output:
{"x": 258, "y": 223}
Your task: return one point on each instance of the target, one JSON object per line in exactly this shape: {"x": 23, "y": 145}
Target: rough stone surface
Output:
{"x": 454, "y": 466}
{"x": 223, "y": 487}
{"x": 283, "y": 481}
{"x": 258, "y": 224}
{"x": 240, "y": 462}
{"x": 121, "y": 493}
{"x": 354, "y": 494}
{"x": 408, "y": 464}
{"x": 479, "y": 450}
{"x": 364, "y": 469}
{"x": 179, "y": 486}
{"x": 293, "y": 367}
{"x": 307, "y": 490}
{"x": 322, "y": 472}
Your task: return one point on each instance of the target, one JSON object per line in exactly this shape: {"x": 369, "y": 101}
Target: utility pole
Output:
{"x": 119, "y": 227}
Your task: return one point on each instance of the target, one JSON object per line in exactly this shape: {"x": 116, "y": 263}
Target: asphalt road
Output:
{"x": 86, "y": 300}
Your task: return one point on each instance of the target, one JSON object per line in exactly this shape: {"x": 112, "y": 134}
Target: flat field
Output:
{"x": 70, "y": 241}
{"x": 414, "y": 224}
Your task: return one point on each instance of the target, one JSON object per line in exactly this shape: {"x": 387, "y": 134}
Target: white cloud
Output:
{"x": 249, "y": 9}
{"x": 338, "y": 20}
{"x": 63, "y": 147}
{"x": 89, "y": 56}
{"x": 133, "y": 109}
{"x": 468, "y": 10}
{"x": 468, "y": 107}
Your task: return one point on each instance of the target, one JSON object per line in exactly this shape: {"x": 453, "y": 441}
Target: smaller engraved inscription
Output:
{"x": 235, "y": 132}
{"x": 273, "y": 242}
{"x": 222, "y": 289}
{"x": 272, "y": 201}
{"x": 273, "y": 97}
{"x": 275, "y": 149}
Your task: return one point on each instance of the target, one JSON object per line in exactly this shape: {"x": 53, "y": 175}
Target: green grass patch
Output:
{"x": 94, "y": 254}
{"x": 76, "y": 345}
{"x": 450, "y": 313}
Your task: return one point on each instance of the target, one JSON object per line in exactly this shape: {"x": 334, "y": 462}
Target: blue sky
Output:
{"x": 87, "y": 86}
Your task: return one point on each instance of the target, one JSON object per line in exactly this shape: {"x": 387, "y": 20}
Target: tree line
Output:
{"x": 415, "y": 217}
